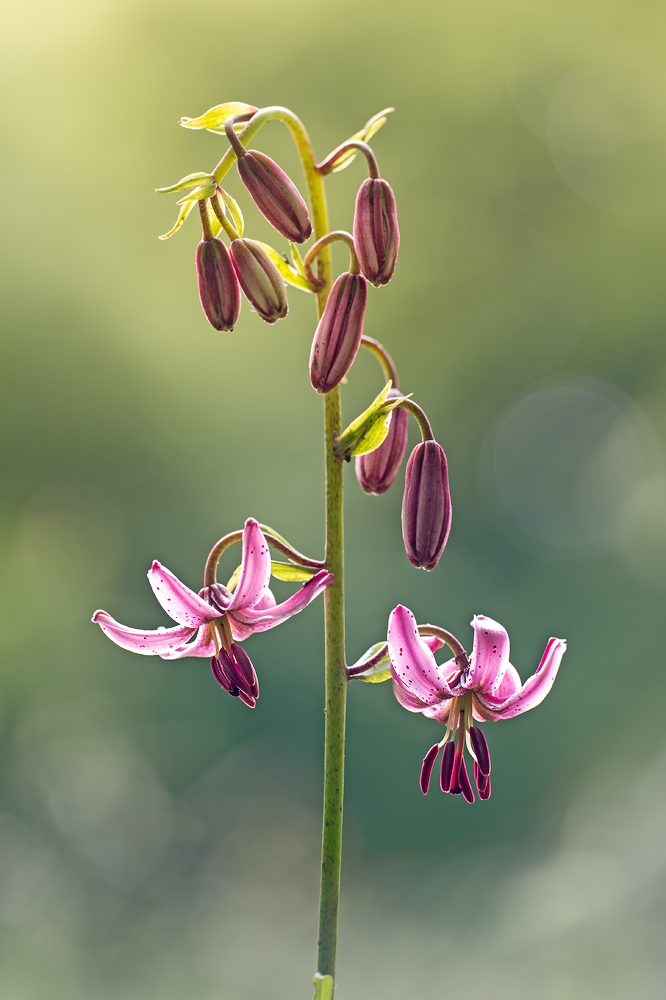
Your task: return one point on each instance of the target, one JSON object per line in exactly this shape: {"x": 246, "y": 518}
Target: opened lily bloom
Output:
{"x": 217, "y": 618}
{"x": 483, "y": 687}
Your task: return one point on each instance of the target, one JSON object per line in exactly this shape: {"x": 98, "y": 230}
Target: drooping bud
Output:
{"x": 275, "y": 195}
{"x": 260, "y": 279}
{"x": 233, "y": 671}
{"x": 447, "y": 767}
{"x": 218, "y": 285}
{"x": 338, "y": 335}
{"x": 376, "y": 233}
{"x": 426, "y": 505}
{"x": 427, "y": 766}
{"x": 377, "y": 470}
{"x": 480, "y": 748}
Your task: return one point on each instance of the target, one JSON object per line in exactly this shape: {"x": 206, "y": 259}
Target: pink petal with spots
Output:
{"x": 490, "y": 656}
{"x": 260, "y": 620}
{"x": 536, "y": 687}
{"x": 203, "y": 645}
{"x": 179, "y": 602}
{"x": 408, "y": 701}
{"x": 255, "y": 568}
{"x": 413, "y": 665}
{"x": 510, "y": 684}
{"x": 147, "y": 642}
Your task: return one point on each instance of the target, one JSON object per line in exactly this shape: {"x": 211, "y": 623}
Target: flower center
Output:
{"x": 231, "y": 666}
{"x": 460, "y": 733}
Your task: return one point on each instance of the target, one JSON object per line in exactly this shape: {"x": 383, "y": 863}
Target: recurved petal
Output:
{"x": 413, "y": 665}
{"x": 490, "y": 656}
{"x": 536, "y": 687}
{"x": 179, "y": 602}
{"x": 510, "y": 684}
{"x": 262, "y": 619}
{"x": 242, "y": 632}
{"x": 408, "y": 701}
{"x": 147, "y": 642}
{"x": 203, "y": 645}
{"x": 255, "y": 568}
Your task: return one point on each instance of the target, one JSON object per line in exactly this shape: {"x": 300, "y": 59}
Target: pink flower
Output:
{"x": 483, "y": 687}
{"x": 218, "y": 619}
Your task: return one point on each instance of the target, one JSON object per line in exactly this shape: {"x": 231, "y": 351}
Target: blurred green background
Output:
{"x": 157, "y": 839}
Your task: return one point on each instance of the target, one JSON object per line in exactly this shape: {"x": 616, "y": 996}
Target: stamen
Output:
{"x": 481, "y": 751}
{"x": 465, "y": 786}
{"x": 447, "y": 767}
{"x": 427, "y": 766}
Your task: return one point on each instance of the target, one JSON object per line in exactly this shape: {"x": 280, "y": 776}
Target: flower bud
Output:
{"x": 376, "y": 471}
{"x": 260, "y": 279}
{"x": 338, "y": 335}
{"x": 275, "y": 195}
{"x": 218, "y": 285}
{"x": 426, "y": 505}
{"x": 376, "y": 233}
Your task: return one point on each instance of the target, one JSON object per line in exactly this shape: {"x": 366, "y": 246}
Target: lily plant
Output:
{"x": 215, "y": 621}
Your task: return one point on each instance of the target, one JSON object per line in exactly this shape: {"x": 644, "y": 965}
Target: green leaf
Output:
{"x": 185, "y": 183}
{"x": 298, "y": 260}
{"x": 371, "y": 126}
{"x": 234, "y": 209}
{"x": 216, "y": 117}
{"x": 323, "y": 987}
{"x": 205, "y": 191}
{"x": 185, "y": 209}
{"x": 273, "y": 532}
{"x": 290, "y": 572}
{"x": 379, "y": 672}
{"x": 288, "y": 272}
{"x": 367, "y": 432}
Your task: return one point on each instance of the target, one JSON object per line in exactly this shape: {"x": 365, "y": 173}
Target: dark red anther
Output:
{"x": 234, "y": 672}
{"x": 464, "y": 782}
{"x": 427, "y": 766}
{"x": 480, "y": 748}
{"x": 447, "y": 767}
{"x": 482, "y": 782}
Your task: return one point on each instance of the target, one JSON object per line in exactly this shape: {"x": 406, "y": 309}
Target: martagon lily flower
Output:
{"x": 217, "y": 618}
{"x": 462, "y": 691}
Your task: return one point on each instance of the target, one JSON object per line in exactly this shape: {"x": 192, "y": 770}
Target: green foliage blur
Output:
{"x": 157, "y": 839}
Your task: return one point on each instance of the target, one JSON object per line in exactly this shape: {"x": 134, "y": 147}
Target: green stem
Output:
{"x": 334, "y": 610}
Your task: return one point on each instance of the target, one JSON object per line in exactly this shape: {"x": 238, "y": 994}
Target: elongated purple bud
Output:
{"x": 447, "y": 767}
{"x": 338, "y": 335}
{"x": 275, "y": 195}
{"x": 427, "y": 766}
{"x": 260, "y": 279}
{"x": 377, "y": 470}
{"x": 464, "y": 783}
{"x": 218, "y": 285}
{"x": 480, "y": 748}
{"x": 376, "y": 233}
{"x": 426, "y": 505}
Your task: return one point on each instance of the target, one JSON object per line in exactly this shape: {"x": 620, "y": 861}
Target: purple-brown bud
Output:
{"x": 376, "y": 232}
{"x": 275, "y": 195}
{"x": 218, "y": 285}
{"x": 338, "y": 335}
{"x": 376, "y": 471}
{"x": 426, "y": 505}
{"x": 260, "y": 279}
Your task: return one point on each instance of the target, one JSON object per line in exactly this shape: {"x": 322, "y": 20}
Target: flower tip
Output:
{"x": 95, "y": 618}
